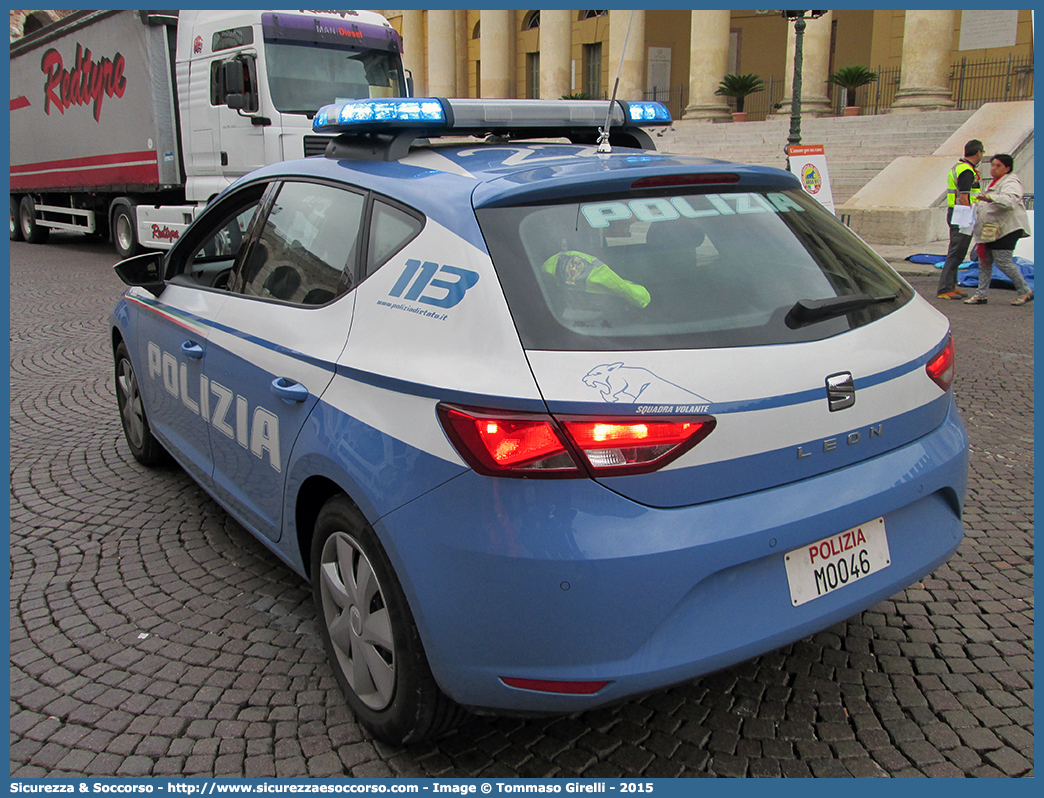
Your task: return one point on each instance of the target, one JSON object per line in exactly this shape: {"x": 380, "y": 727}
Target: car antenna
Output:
{"x": 603, "y": 133}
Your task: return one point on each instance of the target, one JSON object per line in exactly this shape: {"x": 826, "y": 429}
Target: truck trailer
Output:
{"x": 127, "y": 123}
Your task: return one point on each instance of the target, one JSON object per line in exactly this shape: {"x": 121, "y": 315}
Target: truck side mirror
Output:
{"x": 143, "y": 271}
{"x": 239, "y": 76}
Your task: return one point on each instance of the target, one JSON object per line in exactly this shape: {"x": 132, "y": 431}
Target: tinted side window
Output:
{"x": 207, "y": 254}
{"x": 217, "y": 84}
{"x": 391, "y": 229}
{"x": 306, "y": 252}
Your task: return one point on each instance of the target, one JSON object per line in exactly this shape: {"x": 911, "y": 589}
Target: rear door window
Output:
{"x": 307, "y": 250}
{"x": 675, "y": 271}
{"x": 391, "y": 228}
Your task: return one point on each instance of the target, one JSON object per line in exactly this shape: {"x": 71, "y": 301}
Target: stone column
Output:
{"x": 442, "y": 54}
{"x": 815, "y": 66}
{"x": 556, "y": 53}
{"x": 497, "y": 50}
{"x": 461, "y": 33}
{"x": 413, "y": 50}
{"x": 632, "y": 75}
{"x": 927, "y": 50}
{"x": 708, "y": 63}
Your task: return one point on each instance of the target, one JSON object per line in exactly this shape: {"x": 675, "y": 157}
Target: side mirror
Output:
{"x": 239, "y": 78}
{"x": 232, "y": 76}
{"x": 143, "y": 271}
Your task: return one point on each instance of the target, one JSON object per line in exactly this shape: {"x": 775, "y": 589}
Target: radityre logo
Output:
{"x": 88, "y": 81}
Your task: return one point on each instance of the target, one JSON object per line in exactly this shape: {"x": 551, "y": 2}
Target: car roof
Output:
{"x": 479, "y": 174}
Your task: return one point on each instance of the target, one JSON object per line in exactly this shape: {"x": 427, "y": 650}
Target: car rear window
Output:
{"x": 684, "y": 271}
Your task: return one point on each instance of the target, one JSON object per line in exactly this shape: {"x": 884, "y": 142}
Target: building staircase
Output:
{"x": 857, "y": 147}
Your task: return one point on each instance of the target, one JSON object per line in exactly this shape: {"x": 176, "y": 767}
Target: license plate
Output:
{"x": 831, "y": 563}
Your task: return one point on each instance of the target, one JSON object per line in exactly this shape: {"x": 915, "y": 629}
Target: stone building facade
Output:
{"x": 551, "y": 53}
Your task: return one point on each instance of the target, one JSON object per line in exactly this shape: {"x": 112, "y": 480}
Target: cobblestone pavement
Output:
{"x": 151, "y": 635}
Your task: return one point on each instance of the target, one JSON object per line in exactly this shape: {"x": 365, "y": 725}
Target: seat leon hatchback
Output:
{"x": 547, "y": 418}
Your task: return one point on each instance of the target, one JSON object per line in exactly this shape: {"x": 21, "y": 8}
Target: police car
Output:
{"x": 547, "y": 418}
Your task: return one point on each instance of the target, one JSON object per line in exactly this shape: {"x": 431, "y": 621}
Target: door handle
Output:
{"x": 192, "y": 349}
{"x": 288, "y": 390}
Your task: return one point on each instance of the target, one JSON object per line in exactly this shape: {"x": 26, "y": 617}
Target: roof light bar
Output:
{"x": 440, "y": 116}
{"x": 379, "y": 114}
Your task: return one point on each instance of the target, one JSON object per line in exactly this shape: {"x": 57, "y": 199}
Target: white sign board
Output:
{"x": 659, "y": 70}
{"x": 983, "y": 29}
{"x": 808, "y": 162}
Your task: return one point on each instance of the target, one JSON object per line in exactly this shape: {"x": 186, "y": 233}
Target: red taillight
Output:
{"x": 507, "y": 444}
{"x": 941, "y": 367}
{"x": 497, "y": 443}
{"x": 632, "y": 446}
{"x": 545, "y": 686}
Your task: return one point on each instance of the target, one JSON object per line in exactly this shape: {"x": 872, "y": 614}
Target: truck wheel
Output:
{"x": 125, "y": 232}
{"x": 369, "y": 633}
{"x": 16, "y": 227}
{"x": 32, "y": 230}
{"x": 143, "y": 445}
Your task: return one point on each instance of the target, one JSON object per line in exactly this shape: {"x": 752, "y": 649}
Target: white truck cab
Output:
{"x": 206, "y": 97}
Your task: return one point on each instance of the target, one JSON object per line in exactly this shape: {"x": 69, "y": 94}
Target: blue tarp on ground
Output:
{"x": 970, "y": 279}
{"x": 938, "y": 260}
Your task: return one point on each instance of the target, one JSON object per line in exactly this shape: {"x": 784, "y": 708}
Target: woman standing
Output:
{"x": 1000, "y": 221}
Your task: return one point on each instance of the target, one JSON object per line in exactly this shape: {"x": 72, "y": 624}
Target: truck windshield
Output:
{"x": 312, "y": 62}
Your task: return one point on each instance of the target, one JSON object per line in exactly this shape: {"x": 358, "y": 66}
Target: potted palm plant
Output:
{"x": 738, "y": 87}
{"x": 851, "y": 78}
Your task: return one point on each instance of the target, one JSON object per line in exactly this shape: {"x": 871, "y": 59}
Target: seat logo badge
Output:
{"x": 840, "y": 391}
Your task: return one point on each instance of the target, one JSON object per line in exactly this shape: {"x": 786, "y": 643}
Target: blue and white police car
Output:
{"x": 546, "y": 423}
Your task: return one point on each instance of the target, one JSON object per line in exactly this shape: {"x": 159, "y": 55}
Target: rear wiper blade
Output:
{"x": 810, "y": 311}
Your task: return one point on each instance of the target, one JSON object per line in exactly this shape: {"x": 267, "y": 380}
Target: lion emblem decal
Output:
{"x": 619, "y": 383}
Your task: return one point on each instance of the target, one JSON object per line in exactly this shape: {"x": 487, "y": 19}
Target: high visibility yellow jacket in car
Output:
{"x": 580, "y": 270}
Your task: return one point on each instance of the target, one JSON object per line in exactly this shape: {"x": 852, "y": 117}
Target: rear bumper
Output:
{"x": 566, "y": 580}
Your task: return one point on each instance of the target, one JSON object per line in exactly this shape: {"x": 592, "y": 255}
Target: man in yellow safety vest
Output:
{"x": 962, "y": 188}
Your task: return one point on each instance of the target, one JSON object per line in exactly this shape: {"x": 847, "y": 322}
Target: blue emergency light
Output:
{"x": 359, "y": 115}
{"x": 653, "y": 112}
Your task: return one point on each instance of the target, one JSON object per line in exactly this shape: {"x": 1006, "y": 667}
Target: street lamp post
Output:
{"x": 798, "y": 18}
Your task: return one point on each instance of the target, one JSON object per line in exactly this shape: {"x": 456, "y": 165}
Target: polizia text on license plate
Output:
{"x": 831, "y": 563}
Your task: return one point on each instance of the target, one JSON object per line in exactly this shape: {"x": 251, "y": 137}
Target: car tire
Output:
{"x": 125, "y": 231}
{"x": 32, "y": 230}
{"x": 16, "y": 226}
{"x": 371, "y": 638}
{"x": 143, "y": 444}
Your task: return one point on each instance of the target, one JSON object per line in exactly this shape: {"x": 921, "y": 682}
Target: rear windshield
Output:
{"x": 685, "y": 271}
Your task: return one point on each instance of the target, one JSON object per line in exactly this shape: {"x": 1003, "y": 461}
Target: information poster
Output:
{"x": 983, "y": 29}
{"x": 659, "y": 73}
{"x": 808, "y": 162}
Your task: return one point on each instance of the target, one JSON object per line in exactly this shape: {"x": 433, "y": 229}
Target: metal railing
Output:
{"x": 673, "y": 97}
{"x": 972, "y": 84}
{"x": 760, "y": 106}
